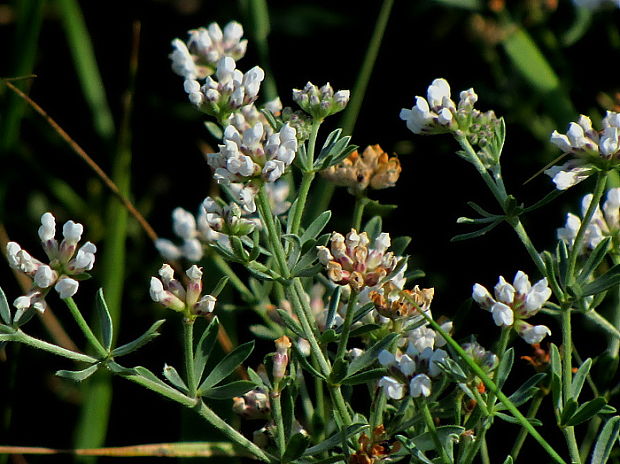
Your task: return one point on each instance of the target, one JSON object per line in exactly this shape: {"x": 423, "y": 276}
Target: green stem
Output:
{"x": 531, "y": 413}
{"x": 302, "y": 196}
{"x": 88, "y": 333}
{"x": 363, "y": 76}
{"x": 276, "y": 411}
{"x": 603, "y": 323}
{"x": 273, "y": 235}
{"x": 378, "y": 406}
{"x": 341, "y": 405}
{"x": 472, "y": 157}
{"x": 188, "y": 354}
{"x": 567, "y": 379}
{"x": 493, "y": 388}
{"x": 346, "y": 326}
{"x": 484, "y": 450}
{"x": 599, "y": 189}
{"x": 21, "y": 337}
{"x": 428, "y": 419}
{"x": 358, "y": 211}
{"x": 203, "y": 410}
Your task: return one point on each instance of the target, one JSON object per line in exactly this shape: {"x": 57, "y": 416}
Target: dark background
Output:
{"x": 316, "y": 41}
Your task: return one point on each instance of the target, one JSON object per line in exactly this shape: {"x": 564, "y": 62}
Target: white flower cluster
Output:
{"x": 232, "y": 89}
{"x": 587, "y": 145}
{"x": 437, "y": 113}
{"x": 194, "y": 231}
{"x": 416, "y": 367}
{"x": 170, "y": 292}
{"x": 605, "y": 223}
{"x": 351, "y": 261}
{"x": 513, "y": 303}
{"x": 321, "y": 102}
{"x": 64, "y": 263}
{"x": 248, "y": 115}
{"x": 227, "y": 218}
{"x": 197, "y": 58}
{"x": 252, "y": 153}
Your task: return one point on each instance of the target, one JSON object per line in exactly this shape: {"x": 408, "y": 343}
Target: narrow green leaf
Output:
{"x": 78, "y": 376}
{"x": 316, "y": 226}
{"x": 425, "y": 441}
{"x": 204, "y": 347}
{"x": 295, "y": 447}
{"x": 334, "y": 301}
{"x": 606, "y": 441}
{"x": 291, "y": 214}
{"x": 508, "y": 460}
{"x": 329, "y": 336}
{"x": 400, "y": 244}
{"x": 290, "y": 323}
{"x": 477, "y": 233}
{"x": 305, "y": 263}
{"x": 586, "y": 411}
{"x": 230, "y": 390}
{"x": 363, "y": 377}
{"x": 227, "y": 365}
{"x": 174, "y": 378}
{"x": 335, "y": 439}
{"x": 305, "y": 365}
{"x": 580, "y": 378}
{"x": 504, "y": 367}
{"x": 5, "y": 312}
{"x": 610, "y": 279}
{"x": 139, "y": 342}
{"x": 556, "y": 376}
{"x": 105, "y": 320}
{"x": 370, "y": 356}
{"x": 570, "y": 406}
{"x": 561, "y": 255}
{"x": 309, "y": 271}
{"x": 373, "y": 228}
{"x": 508, "y": 418}
{"x": 527, "y": 390}
{"x": 214, "y": 130}
{"x": 364, "y": 329}
{"x": 339, "y": 371}
{"x": 594, "y": 259}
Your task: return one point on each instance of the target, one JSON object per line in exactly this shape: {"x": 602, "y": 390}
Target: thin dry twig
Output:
{"x": 91, "y": 163}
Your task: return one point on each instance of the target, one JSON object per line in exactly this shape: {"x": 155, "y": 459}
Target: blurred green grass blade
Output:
{"x": 258, "y": 18}
{"x": 29, "y": 14}
{"x": 352, "y": 110}
{"x": 324, "y": 190}
{"x": 86, "y": 67}
{"x": 536, "y": 70}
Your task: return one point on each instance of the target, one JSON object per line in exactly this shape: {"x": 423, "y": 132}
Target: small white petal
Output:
{"x": 420, "y": 385}
{"x": 66, "y": 287}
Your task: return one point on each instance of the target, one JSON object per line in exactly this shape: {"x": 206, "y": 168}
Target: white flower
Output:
{"x": 386, "y": 358}
{"x": 434, "y": 114}
{"x": 502, "y": 314}
{"x": 64, "y": 262}
{"x": 533, "y": 333}
{"x": 66, "y": 287}
{"x": 420, "y": 385}
{"x": 392, "y": 387}
{"x": 48, "y": 227}
{"x": 45, "y": 276}
{"x": 406, "y": 365}
{"x": 168, "y": 249}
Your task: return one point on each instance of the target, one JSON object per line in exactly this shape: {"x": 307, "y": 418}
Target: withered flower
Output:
{"x": 373, "y": 168}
